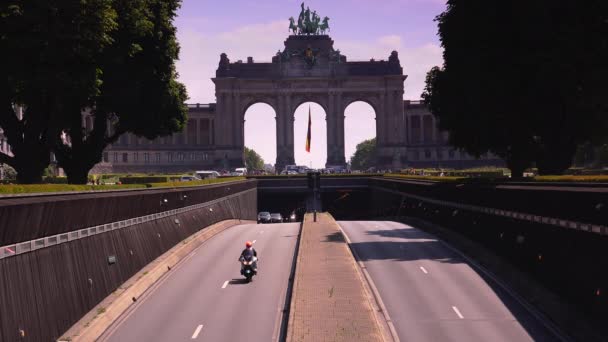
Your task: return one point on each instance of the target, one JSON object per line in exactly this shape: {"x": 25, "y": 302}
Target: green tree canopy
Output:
{"x": 524, "y": 81}
{"x": 364, "y": 156}
{"x": 111, "y": 58}
{"x": 253, "y": 161}
{"x": 48, "y": 65}
{"x": 138, "y": 93}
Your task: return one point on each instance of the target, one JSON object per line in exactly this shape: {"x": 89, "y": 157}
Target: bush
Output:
{"x": 38, "y": 188}
{"x": 431, "y": 178}
{"x": 195, "y": 183}
{"x": 144, "y": 179}
{"x": 55, "y": 180}
{"x": 570, "y": 178}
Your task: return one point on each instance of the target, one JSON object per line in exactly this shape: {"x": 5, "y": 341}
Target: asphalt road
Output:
{"x": 206, "y": 299}
{"x": 432, "y": 294}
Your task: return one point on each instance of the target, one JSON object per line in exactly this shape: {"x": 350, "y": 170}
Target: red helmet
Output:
{"x": 248, "y": 244}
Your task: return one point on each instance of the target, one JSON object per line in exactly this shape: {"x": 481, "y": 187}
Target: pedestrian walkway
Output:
{"x": 329, "y": 302}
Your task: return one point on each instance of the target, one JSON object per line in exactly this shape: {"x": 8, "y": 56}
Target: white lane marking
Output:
{"x": 197, "y": 331}
{"x": 424, "y": 270}
{"x": 254, "y": 241}
{"x": 457, "y": 312}
{"x": 225, "y": 284}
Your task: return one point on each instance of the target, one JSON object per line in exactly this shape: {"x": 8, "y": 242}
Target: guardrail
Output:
{"x": 588, "y": 227}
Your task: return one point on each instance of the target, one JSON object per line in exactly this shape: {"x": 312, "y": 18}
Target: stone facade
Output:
{"x": 308, "y": 69}
{"x": 192, "y": 149}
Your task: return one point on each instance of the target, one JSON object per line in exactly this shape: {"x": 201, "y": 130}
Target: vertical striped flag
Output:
{"x": 308, "y": 133}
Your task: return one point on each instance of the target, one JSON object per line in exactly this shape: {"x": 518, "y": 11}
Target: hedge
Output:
{"x": 571, "y": 178}
{"x": 36, "y": 188}
{"x": 40, "y": 188}
{"x": 195, "y": 183}
{"x": 55, "y": 180}
{"x": 431, "y": 178}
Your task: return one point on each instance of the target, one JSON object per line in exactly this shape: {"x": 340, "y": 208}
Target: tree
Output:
{"x": 523, "y": 81}
{"x": 364, "y": 156}
{"x": 111, "y": 58}
{"x": 47, "y": 66}
{"x": 253, "y": 161}
{"x": 138, "y": 92}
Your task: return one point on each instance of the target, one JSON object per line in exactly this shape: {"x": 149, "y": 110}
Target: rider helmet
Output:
{"x": 248, "y": 244}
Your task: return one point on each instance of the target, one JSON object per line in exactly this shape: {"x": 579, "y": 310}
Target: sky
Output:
{"x": 361, "y": 29}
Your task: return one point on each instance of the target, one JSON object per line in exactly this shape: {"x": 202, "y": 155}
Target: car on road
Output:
{"x": 276, "y": 218}
{"x": 264, "y": 217}
{"x": 188, "y": 178}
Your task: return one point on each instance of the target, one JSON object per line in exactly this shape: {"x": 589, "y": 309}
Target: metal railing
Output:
{"x": 588, "y": 227}
{"x": 32, "y": 245}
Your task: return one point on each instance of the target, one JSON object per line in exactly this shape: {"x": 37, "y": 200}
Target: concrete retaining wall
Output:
{"x": 570, "y": 262}
{"x": 43, "y": 292}
{"x": 28, "y": 218}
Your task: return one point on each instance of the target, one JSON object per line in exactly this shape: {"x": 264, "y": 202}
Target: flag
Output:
{"x": 308, "y": 133}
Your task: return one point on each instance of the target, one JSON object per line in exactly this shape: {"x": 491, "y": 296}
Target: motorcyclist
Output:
{"x": 249, "y": 253}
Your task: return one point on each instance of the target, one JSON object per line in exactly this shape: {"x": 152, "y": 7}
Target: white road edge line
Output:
{"x": 197, "y": 331}
{"x": 372, "y": 285}
{"x": 457, "y": 312}
{"x": 225, "y": 284}
{"x": 424, "y": 270}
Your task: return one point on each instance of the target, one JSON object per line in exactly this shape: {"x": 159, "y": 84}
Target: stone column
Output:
{"x": 289, "y": 126}
{"x": 400, "y": 123}
{"x": 380, "y": 119}
{"x": 210, "y": 139}
{"x": 335, "y": 130}
{"x": 422, "y": 137}
{"x": 197, "y": 131}
{"x": 280, "y": 134}
{"x": 339, "y": 152}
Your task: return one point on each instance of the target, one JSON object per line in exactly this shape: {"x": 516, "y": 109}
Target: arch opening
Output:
{"x": 317, "y": 157}
{"x": 359, "y": 127}
{"x": 260, "y": 133}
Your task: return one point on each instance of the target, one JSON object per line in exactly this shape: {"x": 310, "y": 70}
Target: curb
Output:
{"x": 296, "y": 282}
{"x": 286, "y": 314}
{"x": 99, "y": 320}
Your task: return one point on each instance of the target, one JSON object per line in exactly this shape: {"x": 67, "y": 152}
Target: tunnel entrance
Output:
{"x": 341, "y": 204}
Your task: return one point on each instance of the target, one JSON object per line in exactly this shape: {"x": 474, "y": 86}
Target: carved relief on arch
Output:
{"x": 249, "y": 100}
{"x": 320, "y": 99}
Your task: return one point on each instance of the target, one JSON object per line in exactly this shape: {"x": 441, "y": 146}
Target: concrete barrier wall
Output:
{"x": 28, "y": 218}
{"x": 577, "y": 203}
{"x": 572, "y": 263}
{"x": 44, "y": 292}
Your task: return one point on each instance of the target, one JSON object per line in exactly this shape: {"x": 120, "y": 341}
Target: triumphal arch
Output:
{"x": 310, "y": 69}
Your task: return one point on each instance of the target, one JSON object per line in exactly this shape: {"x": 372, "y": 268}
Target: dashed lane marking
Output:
{"x": 457, "y": 312}
{"x": 424, "y": 270}
{"x": 225, "y": 284}
{"x": 197, "y": 331}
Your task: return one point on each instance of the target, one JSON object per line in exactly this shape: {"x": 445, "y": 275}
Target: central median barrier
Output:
{"x": 329, "y": 300}
{"x": 62, "y": 255}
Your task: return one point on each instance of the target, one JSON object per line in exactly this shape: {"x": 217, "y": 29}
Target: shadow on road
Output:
{"x": 410, "y": 244}
{"x": 335, "y": 237}
{"x": 238, "y": 281}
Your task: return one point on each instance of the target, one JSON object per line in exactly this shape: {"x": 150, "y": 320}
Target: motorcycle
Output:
{"x": 248, "y": 269}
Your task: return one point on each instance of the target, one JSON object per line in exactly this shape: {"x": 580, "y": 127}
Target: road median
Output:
{"x": 329, "y": 300}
